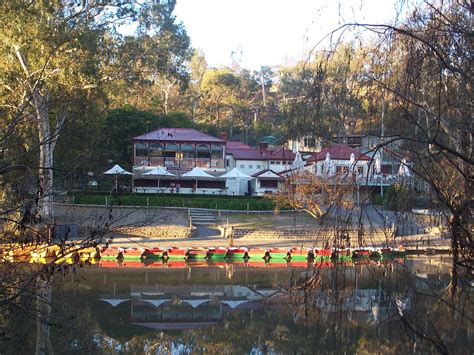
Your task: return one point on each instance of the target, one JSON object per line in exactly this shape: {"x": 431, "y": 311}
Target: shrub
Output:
{"x": 173, "y": 200}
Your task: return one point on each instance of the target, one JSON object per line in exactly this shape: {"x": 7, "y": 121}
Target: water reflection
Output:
{"x": 243, "y": 308}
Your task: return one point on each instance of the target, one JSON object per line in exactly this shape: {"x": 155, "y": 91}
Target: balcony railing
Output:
{"x": 186, "y": 163}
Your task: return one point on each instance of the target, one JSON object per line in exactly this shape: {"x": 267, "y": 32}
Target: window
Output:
{"x": 203, "y": 151}
{"x": 250, "y": 166}
{"x": 227, "y": 162}
{"x": 259, "y": 166}
{"x": 338, "y": 170}
{"x": 272, "y": 162}
{"x": 360, "y": 170}
{"x": 156, "y": 150}
{"x": 170, "y": 150}
{"x": 188, "y": 151}
{"x": 216, "y": 152}
{"x": 242, "y": 166}
{"x": 309, "y": 142}
{"x": 141, "y": 150}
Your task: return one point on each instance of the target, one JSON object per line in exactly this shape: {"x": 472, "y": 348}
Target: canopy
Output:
{"x": 198, "y": 173}
{"x": 378, "y": 163}
{"x": 159, "y": 171}
{"x": 157, "y": 303}
{"x": 234, "y": 304}
{"x": 404, "y": 170}
{"x": 352, "y": 161}
{"x": 236, "y": 174}
{"x": 328, "y": 165}
{"x": 196, "y": 303}
{"x": 117, "y": 170}
{"x": 298, "y": 163}
{"x": 115, "y": 301}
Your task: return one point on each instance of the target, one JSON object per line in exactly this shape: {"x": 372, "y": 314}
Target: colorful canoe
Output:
{"x": 258, "y": 253}
{"x": 110, "y": 253}
{"x": 197, "y": 253}
{"x": 279, "y": 253}
{"x": 175, "y": 253}
{"x": 217, "y": 253}
{"x": 153, "y": 253}
{"x": 299, "y": 253}
{"x": 132, "y": 253}
{"x": 341, "y": 255}
{"x": 236, "y": 253}
{"x": 322, "y": 253}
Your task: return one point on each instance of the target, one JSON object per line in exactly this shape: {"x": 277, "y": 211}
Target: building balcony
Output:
{"x": 183, "y": 163}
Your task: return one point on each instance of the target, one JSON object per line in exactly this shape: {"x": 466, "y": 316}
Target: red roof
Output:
{"x": 237, "y": 145}
{"x": 241, "y": 151}
{"x": 338, "y": 152}
{"x": 280, "y": 154}
{"x": 178, "y": 135}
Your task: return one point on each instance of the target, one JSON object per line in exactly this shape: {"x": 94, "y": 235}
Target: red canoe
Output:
{"x": 153, "y": 253}
{"x": 132, "y": 253}
{"x": 175, "y": 253}
{"x": 110, "y": 252}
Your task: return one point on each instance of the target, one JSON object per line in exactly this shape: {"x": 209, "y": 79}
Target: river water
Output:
{"x": 396, "y": 306}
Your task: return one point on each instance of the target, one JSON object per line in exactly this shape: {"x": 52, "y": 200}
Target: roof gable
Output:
{"x": 178, "y": 135}
{"x": 267, "y": 173}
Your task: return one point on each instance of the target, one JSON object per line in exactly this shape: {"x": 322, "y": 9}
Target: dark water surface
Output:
{"x": 401, "y": 306}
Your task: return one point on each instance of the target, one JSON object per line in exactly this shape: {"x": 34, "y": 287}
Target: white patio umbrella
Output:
{"x": 404, "y": 170}
{"x": 117, "y": 170}
{"x": 378, "y": 163}
{"x": 114, "y": 302}
{"x": 352, "y": 161}
{"x": 159, "y": 171}
{"x": 157, "y": 303}
{"x": 198, "y": 174}
{"x": 298, "y": 163}
{"x": 328, "y": 165}
{"x": 196, "y": 302}
{"x": 235, "y": 174}
{"x": 234, "y": 303}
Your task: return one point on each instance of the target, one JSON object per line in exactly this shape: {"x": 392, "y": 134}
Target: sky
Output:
{"x": 270, "y": 32}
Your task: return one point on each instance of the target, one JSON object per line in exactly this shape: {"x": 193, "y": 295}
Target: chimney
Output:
{"x": 263, "y": 146}
{"x": 224, "y": 136}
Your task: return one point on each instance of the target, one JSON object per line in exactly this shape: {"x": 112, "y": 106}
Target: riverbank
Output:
{"x": 152, "y": 227}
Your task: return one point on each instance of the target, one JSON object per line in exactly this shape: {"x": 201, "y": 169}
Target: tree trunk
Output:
{"x": 43, "y": 309}
{"x": 46, "y": 146}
